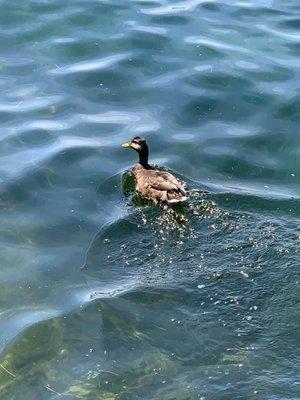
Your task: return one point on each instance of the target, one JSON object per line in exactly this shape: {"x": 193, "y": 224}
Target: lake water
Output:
{"x": 102, "y": 297}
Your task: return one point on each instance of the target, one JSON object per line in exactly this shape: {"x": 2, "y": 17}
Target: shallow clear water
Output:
{"x": 102, "y": 298}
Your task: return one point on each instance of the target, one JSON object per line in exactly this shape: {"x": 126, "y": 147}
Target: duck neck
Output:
{"x": 143, "y": 158}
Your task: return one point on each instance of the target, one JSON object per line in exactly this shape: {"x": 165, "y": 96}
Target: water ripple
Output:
{"x": 179, "y": 7}
{"x": 32, "y": 104}
{"x": 191, "y": 303}
{"x": 214, "y": 44}
{"x": 92, "y": 65}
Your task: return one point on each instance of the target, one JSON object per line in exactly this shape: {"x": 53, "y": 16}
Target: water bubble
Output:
{"x": 244, "y": 274}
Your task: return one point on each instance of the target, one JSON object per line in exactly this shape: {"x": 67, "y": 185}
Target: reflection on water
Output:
{"x": 103, "y": 295}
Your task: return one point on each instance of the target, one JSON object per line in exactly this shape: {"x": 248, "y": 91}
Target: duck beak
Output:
{"x": 126, "y": 145}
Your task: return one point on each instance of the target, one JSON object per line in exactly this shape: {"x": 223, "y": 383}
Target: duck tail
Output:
{"x": 176, "y": 196}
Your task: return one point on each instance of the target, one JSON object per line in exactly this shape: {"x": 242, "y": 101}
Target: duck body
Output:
{"x": 158, "y": 186}
{"x": 151, "y": 183}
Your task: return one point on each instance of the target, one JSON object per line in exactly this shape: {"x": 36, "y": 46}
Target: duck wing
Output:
{"x": 161, "y": 180}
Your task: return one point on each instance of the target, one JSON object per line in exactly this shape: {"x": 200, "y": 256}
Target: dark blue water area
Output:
{"x": 103, "y": 296}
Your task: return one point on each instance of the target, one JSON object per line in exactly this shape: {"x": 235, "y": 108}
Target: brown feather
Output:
{"x": 159, "y": 186}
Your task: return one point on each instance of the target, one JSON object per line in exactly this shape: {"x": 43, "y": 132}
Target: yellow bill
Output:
{"x": 126, "y": 145}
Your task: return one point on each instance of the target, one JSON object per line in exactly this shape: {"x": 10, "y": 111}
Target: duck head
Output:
{"x": 139, "y": 144}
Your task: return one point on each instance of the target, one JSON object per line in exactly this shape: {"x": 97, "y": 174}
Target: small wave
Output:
{"x": 137, "y": 122}
{"x": 189, "y": 5}
{"x": 16, "y": 61}
{"x": 64, "y": 40}
{"x": 215, "y": 44}
{"x": 48, "y": 124}
{"x": 92, "y": 65}
{"x": 166, "y": 79}
{"x": 275, "y": 32}
{"x": 247, "y": 65}
{"x": 15, "y": 323}
{"x": 147, "y": 28}
{"x": 30, "y": 104}
{"x": 111, "y": 117}
{"x": 263, "y": 191}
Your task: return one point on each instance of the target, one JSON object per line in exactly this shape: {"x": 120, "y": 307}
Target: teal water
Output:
{"x": 100, "y": 297}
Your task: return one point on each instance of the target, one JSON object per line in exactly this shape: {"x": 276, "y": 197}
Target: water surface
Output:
{"x": 102, "y": 298}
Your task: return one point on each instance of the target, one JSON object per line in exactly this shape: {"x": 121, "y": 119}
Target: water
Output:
{"x": 102, "y": 298}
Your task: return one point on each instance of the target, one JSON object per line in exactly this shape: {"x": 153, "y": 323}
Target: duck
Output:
{"x": 161, "y": 187}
